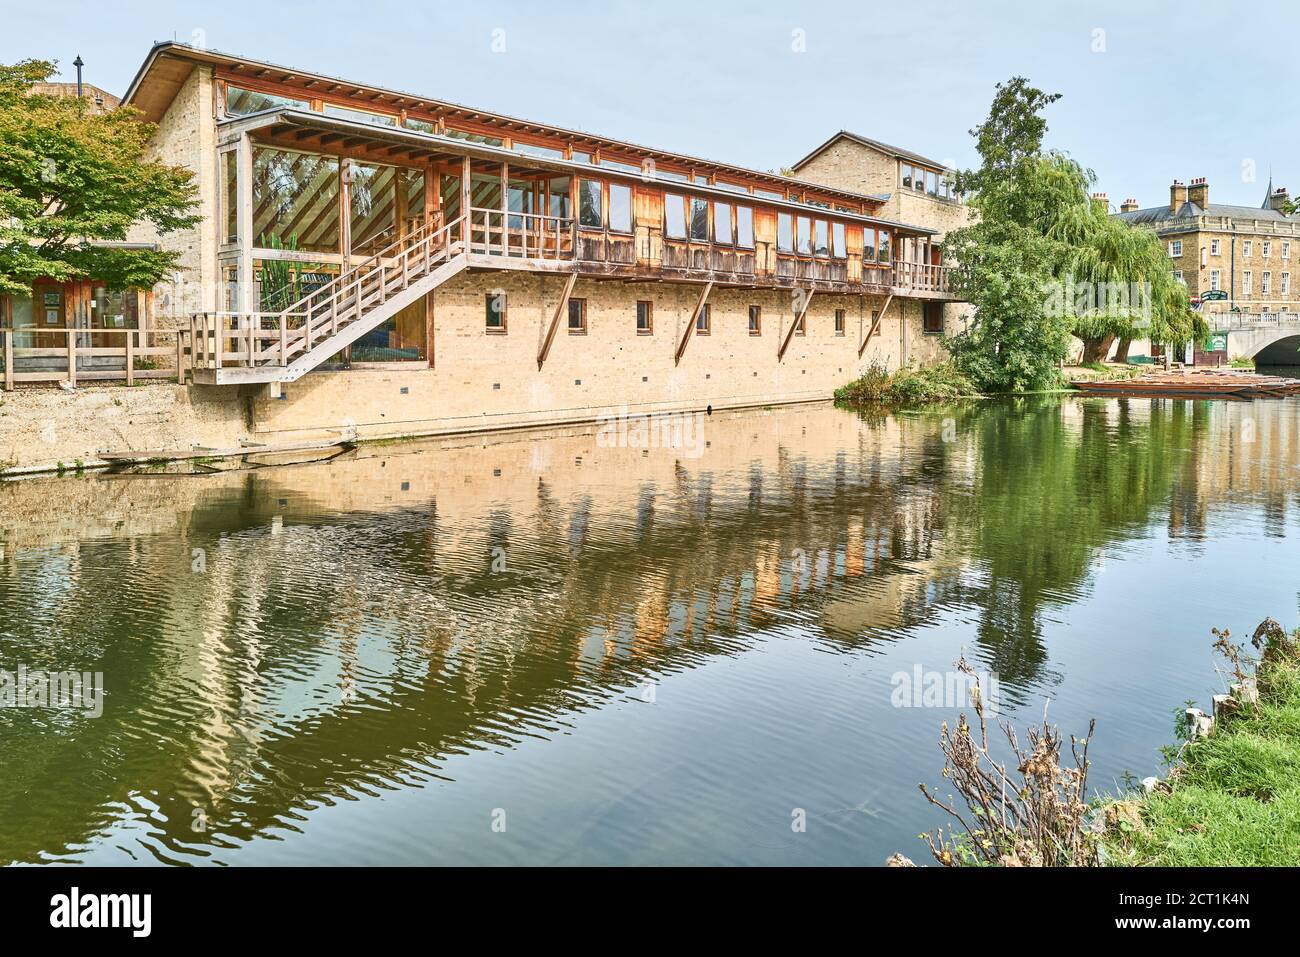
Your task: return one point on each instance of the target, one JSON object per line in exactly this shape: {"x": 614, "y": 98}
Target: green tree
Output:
{"x": 1043, "y": 261}
{"x": 72, "y": 179}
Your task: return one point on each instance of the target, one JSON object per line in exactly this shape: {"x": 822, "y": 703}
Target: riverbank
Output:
{"x": 1232, "y": 798}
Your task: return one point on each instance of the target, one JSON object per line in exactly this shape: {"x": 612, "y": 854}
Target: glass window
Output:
{"x": 373, "y": 212}
{"x": 295, "y": 200}
{"x": 821, "y": 237}
{"x": 450, "y": 199}
{"x": 589, "y": 203}
{"x": 784, "y": 233}
{"x": 620, "y": 208}
{"x": 577, "y": 315}
{"x": 883, "y": 251}
{"x": 533, "y": 150}
{"x": 839, "y": 322}
{"x": 804, "y": 236}
{"x": 496, "y": 311}
{"x": 838, "y": 248}
{"x": 699, "y": 219}
{"x": 744, "y": 227}
{"x": 645, "y": 310}
{"x": 674, "y": 216}
{"x": 230, "y": 193}
{"x": 907, "y": 176}
{"x": 868, "y": 244}
{"x": 621, "y": 166}
{"x": 932, "y": 183}
{"x": 755, "y": 320}
{"x": 703, "y": 320}
{"x": 722, "y": 223}
{"x": 769, "y": 194}
{"x": 241, "y": 102}
{"x": 420, "y": 126}
{"x": 474, "y": 137}
{"x": 360, "y": 116}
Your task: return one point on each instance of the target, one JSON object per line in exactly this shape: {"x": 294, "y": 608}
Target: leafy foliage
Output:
{"x": 70, "y": 179}
{"x": 1037, "y": 239}
{"x": 908, "y": 386}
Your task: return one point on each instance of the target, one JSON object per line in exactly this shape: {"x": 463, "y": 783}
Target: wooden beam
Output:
{"x": 785, "y": 343}
{"x": 695, "y": 317}
{"x": 880, "y": 317}
{"x": 555, "y": 319}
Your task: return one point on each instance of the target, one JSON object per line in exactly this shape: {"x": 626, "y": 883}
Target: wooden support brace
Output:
{"x": 880, "y": 317}
{"x": 555, "y": 319}
{"x": 695, "y": 317}
{"x": 785, "y": 343}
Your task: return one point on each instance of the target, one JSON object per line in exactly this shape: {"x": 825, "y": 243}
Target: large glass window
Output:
{"x": 620, "y": 208}
{"x": 907, "y": 175}
{"x": 868, "y": 244}
{"x": 883, "y": 251}
{"x": 699, "y": 219}
{"x": 373, "y": 212}
{"x": 674, "y": 216}
{"x": 230, "y": 194}
{"x": 722, "y": 223}
{"x": 932, "y": 183}
{"x": 821, "y": 239}
{"x": 804, "y": 236}
{"x": 558, "y": 190}
{"x": 589, "y": 203}
{"x": 838, "y": 246}
{"x": 744, "y": 227}
{"x": 241, "y": 102}
{"x": 295, "y": 200}
{"x": 450, "y": 199}
{"x": 784, "y": 233}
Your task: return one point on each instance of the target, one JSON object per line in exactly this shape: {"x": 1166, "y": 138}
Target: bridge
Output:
{"x": 1271, "y": 339}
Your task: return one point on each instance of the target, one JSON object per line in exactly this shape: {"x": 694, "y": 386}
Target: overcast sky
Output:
{"x": 1152, "y": 90}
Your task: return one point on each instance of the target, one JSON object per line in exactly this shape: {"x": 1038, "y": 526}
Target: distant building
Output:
{"x": 1232, "y": 258}
{"x": 101, "y": 101}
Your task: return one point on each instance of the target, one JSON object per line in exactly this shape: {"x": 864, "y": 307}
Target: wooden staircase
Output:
{"x": 236, "y": 348}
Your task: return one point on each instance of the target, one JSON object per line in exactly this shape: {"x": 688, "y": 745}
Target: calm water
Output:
{"x": 622, "y": 655}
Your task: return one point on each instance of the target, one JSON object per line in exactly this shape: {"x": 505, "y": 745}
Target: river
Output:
{"x": 564, "y": 648}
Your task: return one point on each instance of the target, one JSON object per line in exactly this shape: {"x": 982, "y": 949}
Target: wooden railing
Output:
{"x": 253, "y": 339}
{"x": 523, "y": 235}
{"x": 90, "y": 355}
{"x": 921, "y": 277}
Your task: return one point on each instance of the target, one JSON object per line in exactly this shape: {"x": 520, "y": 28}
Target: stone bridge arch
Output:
{"x": 1283, "y": 350}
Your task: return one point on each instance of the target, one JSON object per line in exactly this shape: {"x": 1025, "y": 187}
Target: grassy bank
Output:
{"x": 1233, "y": 798}
{"x": 907, "y": 386}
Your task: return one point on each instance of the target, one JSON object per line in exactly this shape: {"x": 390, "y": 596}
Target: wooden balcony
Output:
{"x": 513, "y": 240}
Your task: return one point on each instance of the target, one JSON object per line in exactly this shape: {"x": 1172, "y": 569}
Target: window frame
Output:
{"x": 504, "y": 312}
{"x": 704, "y": 321}
{"x": 600, "y": 203}
{"x": 581, "y": 328}
{"x": 649, "y": 329}
{"x": 755, "y": 325}
{"x": 680, "y": 199}
{"x": 841, "y": 321}
{"x": 609, "y": 206}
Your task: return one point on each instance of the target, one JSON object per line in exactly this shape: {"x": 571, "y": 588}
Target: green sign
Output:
{"x": 1213, "y": 295}
{"x": 1218, "y": 342}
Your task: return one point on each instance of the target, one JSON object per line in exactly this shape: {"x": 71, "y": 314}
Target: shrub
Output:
{"x": 908, "y": 386}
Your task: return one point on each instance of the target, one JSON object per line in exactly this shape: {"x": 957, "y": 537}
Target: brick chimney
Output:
{"x": 1128, "y": 206}
{"x": 1101, "y": 200}
{"x": 1199, "y": 192}
{"x": 1177, "y": 196}
{"x": 1279, "y": 199}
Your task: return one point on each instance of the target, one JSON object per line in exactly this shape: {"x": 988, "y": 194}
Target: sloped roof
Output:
{"x": 897, "y": 151}
{"x": 1190, "y": 210}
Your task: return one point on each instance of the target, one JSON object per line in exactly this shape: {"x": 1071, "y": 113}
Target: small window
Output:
{"x": 496, "y": 312}
{"x": 821, "y": 239}
{"x": 1245, "y": 247}
{"x": 744, "y": 227}
{"x": 839, "y": 322}
{"x": 932, "y": 319}
{"x": 932, "y": 183}
{"x": 589, "y": 203}
{"x": 755, "y": 320}
{"x": 838, "y": 248}
{"x": 883, "y": 251}
{"x": 1214, "y": 247}
{"x": 645, "y": 317}
{"x": 1265, "y": 281}
{"x": 804, "y": 237}
{"x": 1265, "y": 249}
{"x": 1214, "y": 279}
{"x": 699, "y": 220}
{"x": 907, "y": 176}
{"x": 674, "y": 216}
{"x": 1247, "y": 280}
{"x": 784, "y": 233}
{"x": 722, "y": 223}
{"x": 703, "y": 321}
{"x": 577, "y": 317}
{"x": 230, "y": 194}
{"x": 868, "y": 244}
{"x": 1286, "y": 250}
{"x": 1176, "y": 247}
{"x": 1286, "y": 283}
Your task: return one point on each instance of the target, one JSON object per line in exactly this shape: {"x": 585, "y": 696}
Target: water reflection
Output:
{"x": 650, "y": 657}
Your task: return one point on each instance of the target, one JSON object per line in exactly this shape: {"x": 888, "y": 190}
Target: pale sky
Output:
{"x": 1152, "y": 90}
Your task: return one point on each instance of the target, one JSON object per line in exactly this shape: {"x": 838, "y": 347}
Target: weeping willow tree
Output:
{"x": 1113, "y": 280}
